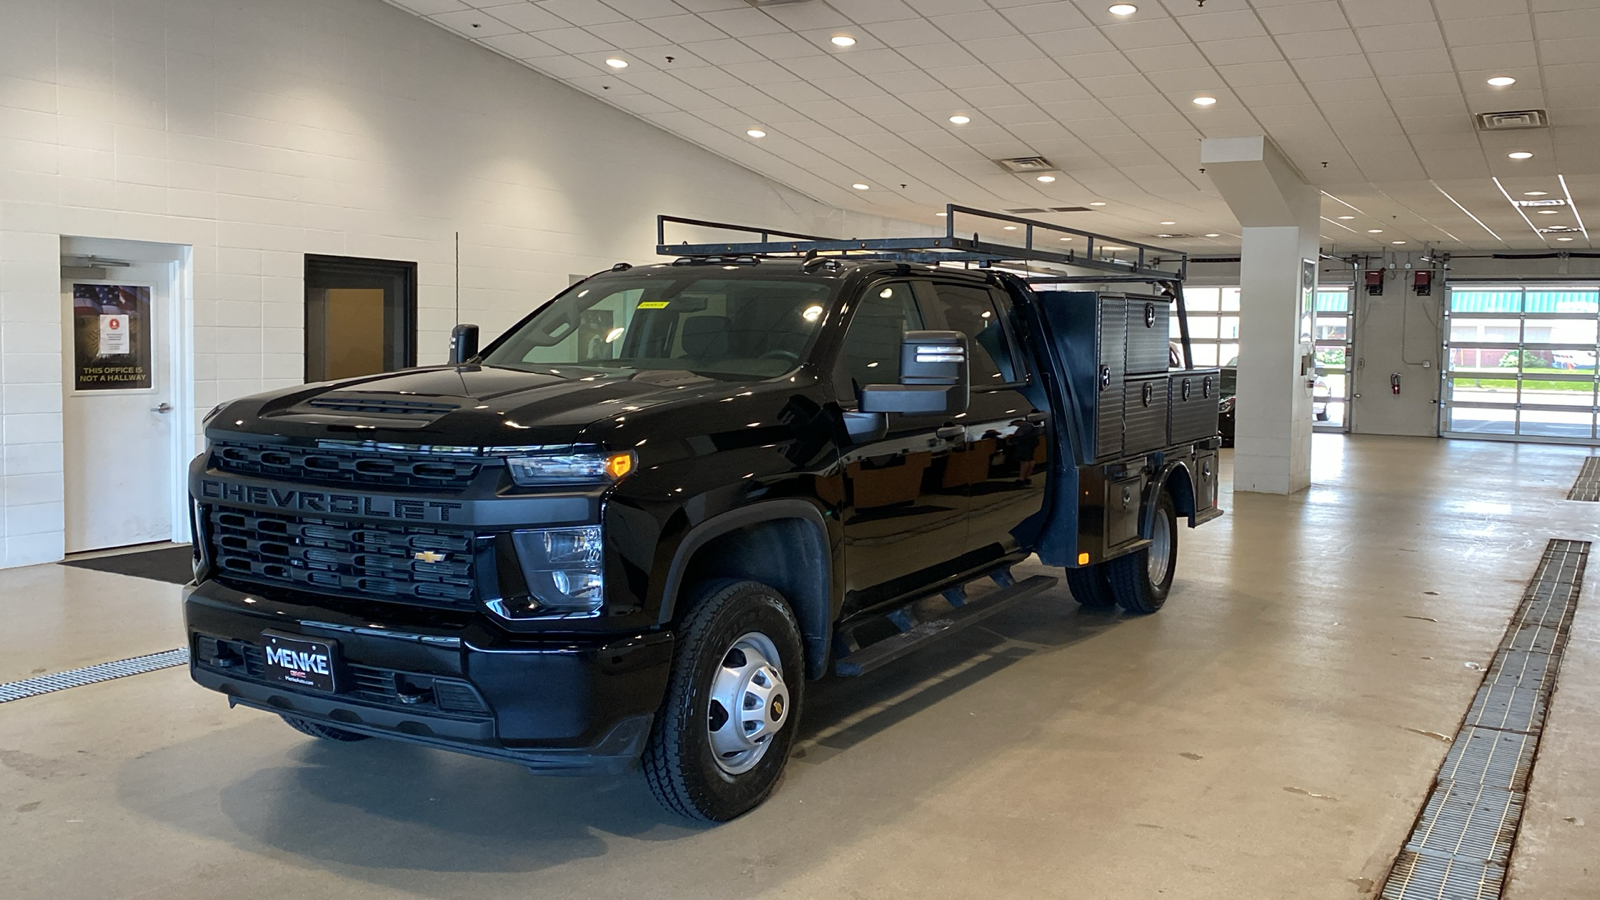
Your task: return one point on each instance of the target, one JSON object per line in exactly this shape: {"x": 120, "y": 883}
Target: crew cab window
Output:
{"x": 972, "y": 311}
{"x": 872, "y": 345}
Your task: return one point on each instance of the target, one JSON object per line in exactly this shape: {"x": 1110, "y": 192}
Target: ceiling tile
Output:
{"x": 1004, "y": 48}
{"x": 907, "y": 33}
{"x": 1241, "y": 50}
{"x": 520, "y": 46}
{"x": 1422, "y": 62}
{"x": 986, "y": 24}
{"x": 684, "y": 29}
{"x": 1488, "y": 30}
{"x": 582, "y": 12}
{"x": 1041, "y": 17}
{"x": 745, "y": 22}
{"x": 1332, "y": 68}
{"x": 627, "y": 35}
{"x": 1098, "y": 64}
{"x": 1278, "y": 72}
{"x": 724, "y": 51}
{"x": 1162, "y": 59}
{"x": 902, "y": 83}
{"x": 870, "y": 11}
{"x": 1105, "y": 86}
{"x": 1221, "y": 25}
{"x": 1255, "y": 96}
{"x": 930, "y": 56}
{"x": 644, "y": 9}
{"x": 472, "y": 24}
{"x": 1073, "y": 42}
{"x": 782, "y": 46}
{"x": 1323, "y": 15}
{"x": 1314, "y": 44}
{"x": 957, "y": 77}
{"x": 1372, "y": 13}
{"x": 525, "y": 16}
{"x": 1145, "y": 33}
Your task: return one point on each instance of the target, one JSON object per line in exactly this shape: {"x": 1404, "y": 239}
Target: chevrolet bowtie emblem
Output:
{"x": 428, "y": 556}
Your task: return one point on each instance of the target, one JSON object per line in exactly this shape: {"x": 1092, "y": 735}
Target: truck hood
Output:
{"x": 468, "y": 405}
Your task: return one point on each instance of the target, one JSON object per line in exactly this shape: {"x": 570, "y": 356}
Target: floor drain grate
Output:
{"x": 60, "y": 681}
{"x": 1461, "y": 844}
{"x": 1587, "y": 487}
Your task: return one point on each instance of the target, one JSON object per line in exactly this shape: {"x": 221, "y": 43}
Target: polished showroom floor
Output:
{"x": 1271, "y": 733}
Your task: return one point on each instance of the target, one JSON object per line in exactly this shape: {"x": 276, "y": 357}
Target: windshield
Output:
{"x": 702, "y": 321}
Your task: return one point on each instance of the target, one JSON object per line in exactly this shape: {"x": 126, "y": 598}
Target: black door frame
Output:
{"x": 397, "y": 278}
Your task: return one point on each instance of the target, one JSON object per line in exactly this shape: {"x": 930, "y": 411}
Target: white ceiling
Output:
{"x": 1372, "y": 99}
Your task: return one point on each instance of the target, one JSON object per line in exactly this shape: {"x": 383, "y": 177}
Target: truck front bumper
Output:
{"x": 554, "y": 705}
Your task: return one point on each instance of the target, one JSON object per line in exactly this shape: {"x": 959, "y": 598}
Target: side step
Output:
{"x": 915, "y": 635}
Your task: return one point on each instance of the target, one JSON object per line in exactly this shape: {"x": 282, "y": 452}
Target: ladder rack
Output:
{"x": 1148, "y": 263}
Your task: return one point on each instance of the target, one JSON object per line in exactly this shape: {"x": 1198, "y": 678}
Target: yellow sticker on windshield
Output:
{"x": 653, "y": 304}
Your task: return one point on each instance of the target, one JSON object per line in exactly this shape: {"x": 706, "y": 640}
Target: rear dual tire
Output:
{"x": 1138, "y": 582}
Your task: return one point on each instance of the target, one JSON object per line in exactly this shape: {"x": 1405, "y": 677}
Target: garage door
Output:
{"x": 1521, "y": 362}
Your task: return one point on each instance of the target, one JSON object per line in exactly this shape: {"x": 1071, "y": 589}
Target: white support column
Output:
{"x": 1280, "y": 214}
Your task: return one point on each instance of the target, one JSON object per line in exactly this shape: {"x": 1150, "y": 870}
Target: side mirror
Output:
{"x": 463, "y": 343}
{"x": 933, "y": 377}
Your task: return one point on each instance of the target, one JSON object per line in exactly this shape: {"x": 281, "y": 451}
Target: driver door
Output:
{"x": 904, "y": 518}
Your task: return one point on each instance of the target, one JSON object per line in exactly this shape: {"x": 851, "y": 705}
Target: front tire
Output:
{"x": 1142, "y": 580}
{"x": 722, "y": 737}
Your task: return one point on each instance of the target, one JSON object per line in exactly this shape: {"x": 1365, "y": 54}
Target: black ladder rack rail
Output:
{"x": 1161, "y": 266}
{"x": 1151, "y": 262}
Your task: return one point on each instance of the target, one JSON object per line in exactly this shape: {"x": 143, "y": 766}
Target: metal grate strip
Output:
{"x": 1587, "y": 487}
{"x": 1462, "y": 842}
{"x": 60, "y": 681}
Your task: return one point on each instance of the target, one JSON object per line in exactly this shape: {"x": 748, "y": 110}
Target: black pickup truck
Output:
{"x": 636, "y": 524}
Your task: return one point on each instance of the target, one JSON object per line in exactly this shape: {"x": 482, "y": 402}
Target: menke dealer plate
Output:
{"x": 299, "y": 662}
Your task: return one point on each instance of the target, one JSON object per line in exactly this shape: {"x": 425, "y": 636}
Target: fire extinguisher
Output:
{"x": 1394, "y": 383}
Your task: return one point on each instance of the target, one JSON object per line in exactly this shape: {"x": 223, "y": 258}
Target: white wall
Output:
{"x": 261, "y": 130}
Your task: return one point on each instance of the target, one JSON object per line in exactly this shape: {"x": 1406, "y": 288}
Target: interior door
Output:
{"x": 118, "y": 410}
{"x": 904, "y": 518}
{"x": 1003, "y": 458}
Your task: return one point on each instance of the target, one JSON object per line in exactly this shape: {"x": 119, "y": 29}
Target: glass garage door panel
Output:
{"x": 1521, "y": 363}
{"x": 1331, "y": 332}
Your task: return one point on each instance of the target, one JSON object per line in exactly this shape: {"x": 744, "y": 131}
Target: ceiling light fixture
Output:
{"x": 942, "y": 215}
{"x": 1520, "y": 154}
{"x": 1346, "y": 218}
{"x": 1047, "y": 178}
{"x": 1548, "y": 212}
{"x": 843, "y": 40}
{"x": 1374, "y": 231}
{"x": 615, "y": 63}
{"x": 959, "y": 120}
{"x": 1123, "y": 9}
{"x": 1205, "y": 101}
{"x": 1502, "y": 81}
{"x": 1535, "y": 193}
{"x": 1169, "y": 223}
{"x": 1563, "y": 239}
{"x": 1066, "y": 239}
{"x": 756, "y": 133}
{"x": 1397, "y": 242}
{"x": 1097, "y": 203}
{"x": 1213, "y": 234}
{"x": 1011, "y": 228}
{"x": 859, "y": 186}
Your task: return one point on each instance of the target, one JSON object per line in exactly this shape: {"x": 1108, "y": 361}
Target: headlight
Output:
{"x": 569, "y": 468}
{"x": 564, "y": 571}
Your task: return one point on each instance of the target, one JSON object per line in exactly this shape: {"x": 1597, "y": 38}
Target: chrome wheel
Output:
{"x": 749, "y": 703}
{"x": 1159, "y": 558}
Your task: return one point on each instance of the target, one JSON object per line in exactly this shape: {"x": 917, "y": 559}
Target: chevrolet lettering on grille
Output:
{"x": 330, "y": 503}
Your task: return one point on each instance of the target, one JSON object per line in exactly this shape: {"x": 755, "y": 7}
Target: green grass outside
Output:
{"x": 1530, "y": 384}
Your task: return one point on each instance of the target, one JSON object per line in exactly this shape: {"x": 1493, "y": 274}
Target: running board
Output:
{"x": 915, "y": 635}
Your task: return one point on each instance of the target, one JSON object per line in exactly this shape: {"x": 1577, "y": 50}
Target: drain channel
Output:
{"x": 122, "y": 668}
{"x": 1587, "y": 487}
{"x": 1460, "y": 848}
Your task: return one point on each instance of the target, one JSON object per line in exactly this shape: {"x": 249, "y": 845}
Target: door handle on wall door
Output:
{"x": 163, "y": 408}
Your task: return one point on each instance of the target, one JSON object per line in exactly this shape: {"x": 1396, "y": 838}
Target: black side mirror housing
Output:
{"x": 463, "y": 343}
{"x": 933, "y": 377}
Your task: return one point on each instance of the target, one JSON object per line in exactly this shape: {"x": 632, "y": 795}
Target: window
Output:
{"x": 699, "y": 321}
{"x": 1213, "y": 325}
{"x": 1521, "y": 362}
{"x": 872, "y": 345}
{"x": 360, "y": 316}
{"x": 972, "y": 311}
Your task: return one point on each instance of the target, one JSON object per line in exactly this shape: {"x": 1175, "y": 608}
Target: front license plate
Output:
{"x": 300, "y": 662}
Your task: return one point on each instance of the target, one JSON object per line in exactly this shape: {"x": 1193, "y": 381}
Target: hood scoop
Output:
{"x": 379, "y": 405}
{"x": 351, "y": 410}
{"x": 669, "y": 377}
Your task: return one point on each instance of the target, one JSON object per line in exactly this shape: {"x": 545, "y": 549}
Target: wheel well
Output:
{"x": 786, "y": 554}
{"x": 1181, "y": 487}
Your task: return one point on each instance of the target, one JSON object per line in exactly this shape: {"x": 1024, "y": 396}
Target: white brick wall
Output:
{"x": 260, "y": 131}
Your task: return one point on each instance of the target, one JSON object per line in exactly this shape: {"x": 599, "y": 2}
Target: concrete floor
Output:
{"x": 1271, "y": 733}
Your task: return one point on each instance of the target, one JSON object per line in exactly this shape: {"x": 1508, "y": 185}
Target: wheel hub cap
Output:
{"x": 749, "y": 703}
{"x": 1160, "y": 558}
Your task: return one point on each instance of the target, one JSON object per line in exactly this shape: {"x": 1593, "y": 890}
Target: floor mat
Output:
{"x": 174, "y": 565}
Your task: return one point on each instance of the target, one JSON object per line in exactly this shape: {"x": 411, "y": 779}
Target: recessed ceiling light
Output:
{"x": 1213, "y": 234}
{"x": 1346, "y": 218}
{"x": 959, "y": 120}
{"x": 1549, "y": 212}
{"x": 1205, "y": 101}
{"x": 942, "y": 214}
{"x": 615, "y": 63}
{"x": 1535, "y": 193}
{"x": 1563, "y": 239}
{"x": 859, "y": 186}
{"x": 1047, "y": 178}
{"x": 1123, "y": 9}
{"x": 1066, "y": 239}
{"x": 1502, "y": 81}
{"x": 756, "y": 132}
{"x": 1011, "y": 228}
{"x": 1520, "y": 154}
{"x": 1374, "y": 231}
{"x": 1397, "y": 242}
{"x": 1098, "y": 203}
{"x": 1169, "y": 223}
{"x": 843, "y": 40}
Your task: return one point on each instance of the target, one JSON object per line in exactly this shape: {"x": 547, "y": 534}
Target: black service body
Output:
{"x": 375, "y": 521}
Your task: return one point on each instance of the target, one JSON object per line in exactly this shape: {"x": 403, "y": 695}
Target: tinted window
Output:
{"x": 872, "y": 345}
{"x": 971, "y": 311}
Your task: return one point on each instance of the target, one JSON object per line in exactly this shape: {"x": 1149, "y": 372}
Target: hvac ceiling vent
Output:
{"x": 1027, "y": 211}
{"x": 760, "y": 3}
{"x": 1023, "y": 165}
{"x": 1070, "y": 209}
{"x": 1513, "y": 119}
{"x": 1549, "y": 201}
{"x": 1171, "y": 237}
{"x": 1557, "y": 229}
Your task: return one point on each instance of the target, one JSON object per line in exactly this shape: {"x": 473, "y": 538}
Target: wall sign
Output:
{"x": 111, "y": 337}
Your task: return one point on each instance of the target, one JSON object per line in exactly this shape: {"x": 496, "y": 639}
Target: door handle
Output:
{"x": 163, "y": 408}
{"x": 1037, "y": 418}
{"x": 950, "y": 432}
